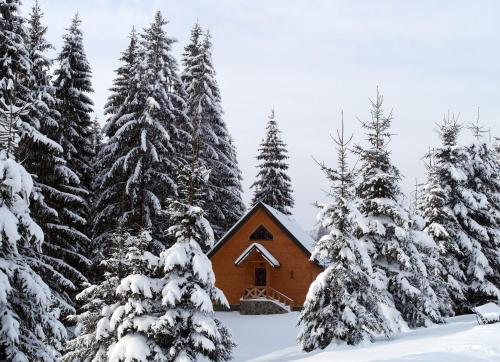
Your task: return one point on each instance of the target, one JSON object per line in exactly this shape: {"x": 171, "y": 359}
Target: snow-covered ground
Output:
{"x": 272, "y": 338}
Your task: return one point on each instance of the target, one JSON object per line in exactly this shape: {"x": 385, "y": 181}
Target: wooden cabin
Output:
{"x": 265, "y": 256}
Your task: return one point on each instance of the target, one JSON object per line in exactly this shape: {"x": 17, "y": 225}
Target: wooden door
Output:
{"x": 260, "y": 277}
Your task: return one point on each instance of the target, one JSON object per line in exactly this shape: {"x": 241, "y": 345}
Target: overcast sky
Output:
{"x": 309, "y": 60}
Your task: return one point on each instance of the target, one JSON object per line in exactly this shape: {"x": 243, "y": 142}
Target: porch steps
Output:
{"x": 262, "y": 306}
{"x": 264, "y": 300}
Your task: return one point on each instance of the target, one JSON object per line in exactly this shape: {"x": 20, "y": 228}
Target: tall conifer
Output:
{"x": 342, "y": 304}
{"x": 386, "y": 228}
{"x": 224, "y": 203}
{"x": 149, "y": 138}
{"x": 273, "y": 185}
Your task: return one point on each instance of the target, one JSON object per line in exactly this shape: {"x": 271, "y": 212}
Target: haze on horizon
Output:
{"x": 310, "y": 60}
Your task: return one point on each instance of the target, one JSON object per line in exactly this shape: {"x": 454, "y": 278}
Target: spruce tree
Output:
{"x": 15, "y": 73}
{"x": 434, "y": 218}
{"x": 273, "y": 186}
{"x": 94, "y": 334}
{"x": 483, "y": 225}
{"x": 110, "y": 197}
{"x": 188, "y": 329}
{"x": 73, "y": 86}
{"x": 342, "y": 304}
{"x": 444, "y": 195}
{"x": 27, "y": 304}
{"x": 385, "y": 229}
{"x": 149, "y": 138}
{"x": 458, "y": 217}
{"x": 30, "y": 330}
{"x": 57, "y": 202}
{"x": 224, "y": 203}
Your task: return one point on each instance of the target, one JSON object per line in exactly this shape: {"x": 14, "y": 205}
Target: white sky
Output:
{"x": 310, "y": 59}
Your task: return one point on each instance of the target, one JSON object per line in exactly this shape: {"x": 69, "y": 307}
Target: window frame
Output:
{"x": 259, "y": 234}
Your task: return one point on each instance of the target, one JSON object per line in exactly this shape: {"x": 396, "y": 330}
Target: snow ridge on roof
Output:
{"x": 304, "y": 238}
{"x": 262, "y": 251}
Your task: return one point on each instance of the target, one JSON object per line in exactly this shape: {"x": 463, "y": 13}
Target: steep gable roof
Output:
{"x": 296, "y": 234}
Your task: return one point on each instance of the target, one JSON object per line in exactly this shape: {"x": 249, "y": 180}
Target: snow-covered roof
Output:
{"x": 288, "y": 223}
{"x": 262, "y": 251}
{"x": 301, "y": 238}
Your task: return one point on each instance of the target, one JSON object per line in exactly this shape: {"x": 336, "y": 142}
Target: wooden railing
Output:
{"x": 267, "y": 293}
{"x": 280, "y": 297}
{"x": 255, "y": 292}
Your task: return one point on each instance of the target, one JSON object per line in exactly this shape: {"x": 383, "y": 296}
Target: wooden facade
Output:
{"x": 250, "y": 264}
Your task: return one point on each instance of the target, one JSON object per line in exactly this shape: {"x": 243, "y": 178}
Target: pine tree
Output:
{"x": 224, "y": 202}
{"x": 94, "y": 334}
{"x": 110, "y": 197}
{"x": 342, "y": 304}
{"x": 456, "y": 215}
{"x": 57, "y": 203}
{"x": 149, "y": 138}
{"x": 15, "y": 73}
{"x": 273, "y": 186}
{"x": 30, "y": 329}
{"x": 483, "y": 225}
{"x": 73, "y": 86}
{"x": 122, "y": 86}
{"x": 53, "y": 179}
{"x": 28, "y": 308}
{"x": 434, "y": 218}
{"x": 188, "y": 329}
{"x": 386, "y": 228}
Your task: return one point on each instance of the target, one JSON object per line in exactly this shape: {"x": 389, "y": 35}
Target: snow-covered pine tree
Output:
{"x": 93, "y": 333}
{"x": 385, "y": 229}
{"x": 149, "y": 137}
{"x": 457, "y": 222}
{"x": 15, "y": 73}
{"x": 482, "y": 264}
{"x": 224, "y": 203}
{"x": 435, "y": 218}
{"x": 189, "y": 330}
{"x": 342, "y": 305}
{"x": 273, "y": 185}
{"x": 73, "y": 86}
{"x": 122, "y": 86}
{"x": 30, "y": 330}
{"x": 109, "y": 194}
{"x": 431, "y": 281}
{"x": 444, "y": 194}
{"x": 28, "y": 308}
{"x": 57, "y": 203}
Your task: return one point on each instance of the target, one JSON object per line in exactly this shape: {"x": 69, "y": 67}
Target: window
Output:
{"x": 261, "y": 234}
